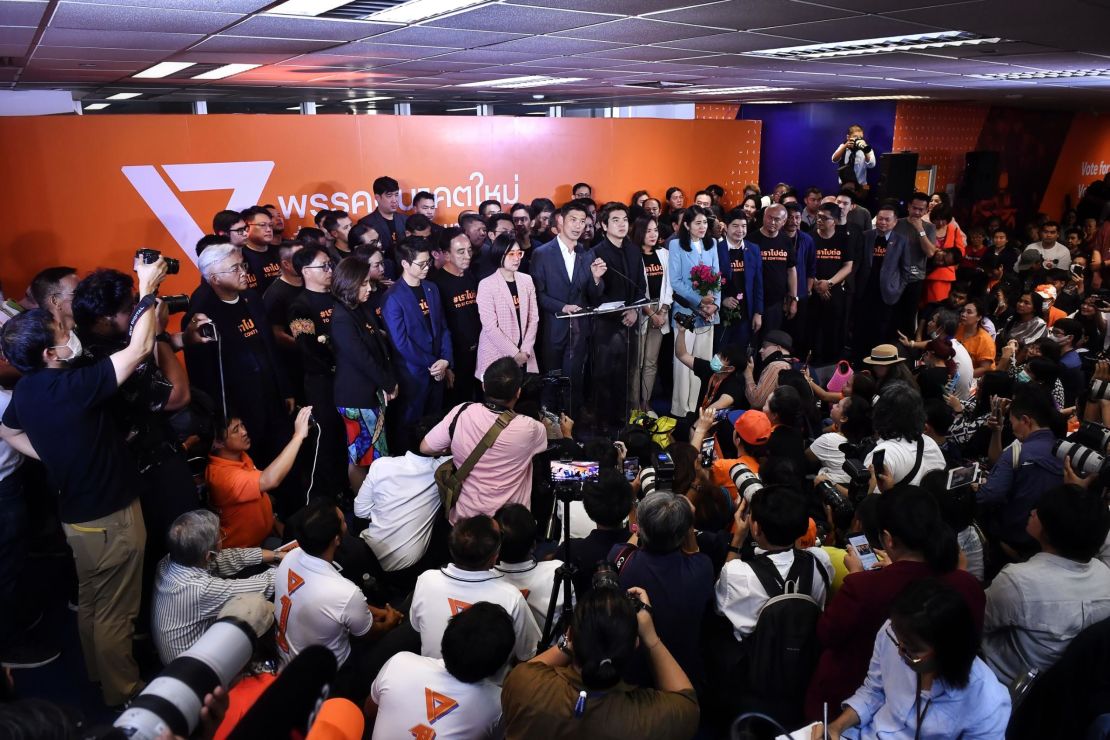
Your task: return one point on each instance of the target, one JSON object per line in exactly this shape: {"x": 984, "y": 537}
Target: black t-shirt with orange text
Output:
{"x": 779, "y": 259}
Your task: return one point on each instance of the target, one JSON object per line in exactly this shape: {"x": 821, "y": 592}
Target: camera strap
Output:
{"x": 623, "y": 556}
{"x": 148, "y": 302}
{"x": 916, "y": 463}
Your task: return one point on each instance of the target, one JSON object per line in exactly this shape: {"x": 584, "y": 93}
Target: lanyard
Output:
{"x": 919, "y": 710}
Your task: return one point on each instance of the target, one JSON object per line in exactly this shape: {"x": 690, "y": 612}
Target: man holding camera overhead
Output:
{"x": 240, "y": 370}
{"x": 59, "y": 414}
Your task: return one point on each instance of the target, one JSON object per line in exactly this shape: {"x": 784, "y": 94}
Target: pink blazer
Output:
{"x": 500, "y": 333}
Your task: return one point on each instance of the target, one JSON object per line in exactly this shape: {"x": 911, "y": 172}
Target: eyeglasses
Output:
{"x": 242, "y": 267}
{"x": 515, "y": 253}
{"x": 421, "y": 265}
{"x": 264, "y": 225}
{"x": 326, "y": 267}
{"x": 824, "y": 217}
{"x": 903, "y": 650}
{"x": 240, "y": 232}
{"x": 374, "y": 243}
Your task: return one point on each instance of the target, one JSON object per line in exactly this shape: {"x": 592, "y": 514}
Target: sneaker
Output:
{"x": 28, "y": 654}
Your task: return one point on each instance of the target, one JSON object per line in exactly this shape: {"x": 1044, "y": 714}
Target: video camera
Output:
{"x": 151, "y": 255}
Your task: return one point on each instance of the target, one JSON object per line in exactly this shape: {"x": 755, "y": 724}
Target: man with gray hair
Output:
{"x": 663, "y": 559}
{"x": 197, "y": 578}
{"x": 241, "y": 370}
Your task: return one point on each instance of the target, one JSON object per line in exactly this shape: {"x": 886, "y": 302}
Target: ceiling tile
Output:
{"x": 579, "y": 61}
{"x": 126, "y": 18}
{"x": 71, "y": 52}
{"x": 336, "y": 61}
{"x": 665, "y": 68}
{"x": 429, "y": 36}
{"x": 429, "y": 66}
{"x": 289, "y": 27}
{"x": 638, "y": 31}
{"x": 227, "y": 57}
{"x": 734, "y": 43}
{"x": 16, "y": 35}
{"x": 893, "y": 6}
{"x": 616, "y": 7}
{"x": 222, "y": 6}
{"x": 22, "y": 13}
{"x": 118, "y": 39}
{"x": 486, "y": 56}
{"x": 747, "y": 14}
{"x": 525, "y": 19}
{"x": 849, "y": 29}
{"x": 648, "y": 54}
{"x": 553, "y": 46}
{"x": 250, "y": 44}
{"x": 388, "y": 51}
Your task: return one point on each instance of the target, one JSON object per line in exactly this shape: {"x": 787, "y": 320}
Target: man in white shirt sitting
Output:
{"x": 446, "y": 697}
{"x": 315, "y": 605}
{"x": 1056, "y": 255}
{"x": 441, "y": 594}
{"x": 520, "y": 568}
{"x": 400, "y": 498}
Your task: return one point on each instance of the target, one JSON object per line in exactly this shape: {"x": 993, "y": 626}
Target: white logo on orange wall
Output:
{"x": 245, "y": 180}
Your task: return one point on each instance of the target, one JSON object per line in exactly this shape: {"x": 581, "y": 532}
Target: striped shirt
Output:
{"x": 187, "y": 599}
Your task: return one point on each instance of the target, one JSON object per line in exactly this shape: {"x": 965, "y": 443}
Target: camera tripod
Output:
{"x": 564, "y": 577}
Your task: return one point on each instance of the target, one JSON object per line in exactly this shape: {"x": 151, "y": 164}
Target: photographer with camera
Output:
{"x": 60, "y": 415}
{"x": 575, "y": 689}
{"x": 854, "y": 157}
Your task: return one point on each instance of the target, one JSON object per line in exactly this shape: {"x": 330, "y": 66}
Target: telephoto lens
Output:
{"x": 746, "y": 482}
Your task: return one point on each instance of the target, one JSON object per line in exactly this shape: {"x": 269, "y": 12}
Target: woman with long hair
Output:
{"x": 1026, "y": 325}
{"x": 654, "y": 319}
{"x": 692, "y": 247}
{"x": 364, "y": 379}
{"x": 751, "y": 207}
{"x": 508, "y": 309}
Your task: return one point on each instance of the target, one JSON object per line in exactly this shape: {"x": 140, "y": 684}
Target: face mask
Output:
{"x": 74, "y": 345}
{"x": 1023, "y": 377}
{"x": 716, "y": 365}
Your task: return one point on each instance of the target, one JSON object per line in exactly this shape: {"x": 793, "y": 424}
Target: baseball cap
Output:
{"x": 253, "y": 609}
{"x": 779, "y": 337}
{"x": 753, "y": 427}
{"x": 1029, "y": 257}
{"x": 1048, "y": 292}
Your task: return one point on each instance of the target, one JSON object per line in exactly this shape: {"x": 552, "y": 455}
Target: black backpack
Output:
{"x": 783, "y": 650}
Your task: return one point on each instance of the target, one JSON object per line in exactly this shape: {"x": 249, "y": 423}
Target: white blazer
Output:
{"x": 665, "y": 293}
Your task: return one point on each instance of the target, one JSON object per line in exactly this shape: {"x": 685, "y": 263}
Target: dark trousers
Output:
{"x": 466, "y": 386}
{"x": 826, "y": 326}
{"x": 874, "y": 324}
{"x": 13, "y": 551}
{"x": 613, "y": 355}
{"x": 330, "y": 478}
{"x": 569, "y": 356}
{"x": 167, "y": 492}
{"x": 419, "y": 395}
{"x": 798, "y": 328}
{"x": 905, "y": 311}
{"x": 773, "y": 317}
{"x": 738, "y": 332}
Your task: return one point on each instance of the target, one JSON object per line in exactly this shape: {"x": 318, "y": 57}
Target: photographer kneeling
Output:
{"x": 575, "y": 689}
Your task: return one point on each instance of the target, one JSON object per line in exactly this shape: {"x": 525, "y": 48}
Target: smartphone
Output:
{"x": 573, "y": 471}
{"x": 878, "y": 460}
{"x": 631, "y": 468}
{"x": 959, "y": 477}
{"x": 707, "y": 446}
{"x": 867, "y": 556}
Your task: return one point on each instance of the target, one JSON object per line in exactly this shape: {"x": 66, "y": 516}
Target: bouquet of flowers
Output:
{"x": 704, "y": 280}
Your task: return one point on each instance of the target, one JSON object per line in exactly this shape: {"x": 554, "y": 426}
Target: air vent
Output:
{"x": 359, "y": 9}
{"x": 658, "y": 85}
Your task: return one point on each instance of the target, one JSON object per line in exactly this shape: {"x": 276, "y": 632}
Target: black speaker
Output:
{"x": 981, "y": 175}
{"x": 898, "y": 176}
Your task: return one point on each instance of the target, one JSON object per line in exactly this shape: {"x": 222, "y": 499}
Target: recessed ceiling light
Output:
{"x": 1055, "y": 74}
{"x": 97, "y": 106}
{"x": 733, "y": 90}
{"x": 459, "y": 110}
{"x": 306, "y": 7}
{"x": 512, "y": 83}
{"x": 538, "y": 96}
{"x": 885, "y": 45}
{"x": 885, "y": 97}
{"x": 163, "y": 69}
{"x": 225, "y": 71}
{"x": 123, "y": 96}
{"x": 366, "y": 100}
{"x": 419, "y": 10}
{"x": 767, "y": 102}
{"x": 553, "y": 102}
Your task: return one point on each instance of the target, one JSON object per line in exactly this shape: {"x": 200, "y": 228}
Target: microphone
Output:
{"x": 338, "y": 719}
{"x": 287, "y": 706}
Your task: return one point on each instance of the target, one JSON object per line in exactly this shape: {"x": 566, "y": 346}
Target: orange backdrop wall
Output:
{"x": 1084, "y": 158}
{"x": 89, "y": 191}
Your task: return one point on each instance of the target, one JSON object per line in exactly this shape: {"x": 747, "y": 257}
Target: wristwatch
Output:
{"x": 734, "y": 548}
{"x": 921, "y": 233}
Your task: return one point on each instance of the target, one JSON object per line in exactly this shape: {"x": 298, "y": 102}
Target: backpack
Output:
{"x": 783, "y": 650}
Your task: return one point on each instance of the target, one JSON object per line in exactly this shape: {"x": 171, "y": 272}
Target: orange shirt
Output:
{"x": 241, "y": 697}
{"x": 1054, "y": 315}
{"x": 246, "y": 514}
{"x": 719, "y": 473}
{"x": 980, "y": 345}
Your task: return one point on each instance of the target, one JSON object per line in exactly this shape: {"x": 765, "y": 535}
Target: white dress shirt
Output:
{"x": 741, "y": 596}
{"x": 400, "y": 499}
{"x": 568, "y": 256}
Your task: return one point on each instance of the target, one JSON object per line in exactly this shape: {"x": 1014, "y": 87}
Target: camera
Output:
{"x": 176, "y": 303}
{"x": 747, "y": 483}
{"x": 208, "y": 331}
{"x": 606, "y": 576}
{"x": 1084, "y": 460}
{"x": 1092, "y": 434}
{"x": 664, "y": 472}
{"x": 834, "y": 499}
{"x": 151, "y": 255}
{"x": 685, "y": 320}
{"x": 1100, "y": 389}
{"x": 172, "y": 701}
{"x": 555, "y": 393}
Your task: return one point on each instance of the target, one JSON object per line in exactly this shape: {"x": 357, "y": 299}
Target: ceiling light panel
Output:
{"x": 227, "y": 70}
{"x": 306, "y": 7}
{"x": 733, "y": 90}
{"x": 163, "y": 69}
{"x": 886, "y": 45}
{"x": 1057, "y": 74}
{"x": 97, "y": 106}
{"x": 516, "y": 83}
{"x": 123, "y": 96}
{"x": 421, "y": 10}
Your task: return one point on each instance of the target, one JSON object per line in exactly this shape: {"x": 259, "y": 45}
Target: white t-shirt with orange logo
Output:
{"x": 418, "y": 698}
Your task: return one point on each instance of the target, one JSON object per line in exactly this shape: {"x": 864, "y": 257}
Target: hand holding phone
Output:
{"x": 866, "y": 555}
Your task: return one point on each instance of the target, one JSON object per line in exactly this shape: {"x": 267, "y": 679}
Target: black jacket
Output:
{"x": 362, "y": 363}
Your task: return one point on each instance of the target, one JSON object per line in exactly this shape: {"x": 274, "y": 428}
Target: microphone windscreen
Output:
{"x": 287, "y": 705}
{"x": 338, "y": 719}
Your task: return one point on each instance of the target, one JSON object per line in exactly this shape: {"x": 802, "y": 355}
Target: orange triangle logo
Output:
{"x": 456, "y": 606}
{"x": 438, "y": 705}
{"x": 422, "y": 732}
{"x": 295, "y": 582}
{"x": 524, "y": 592}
